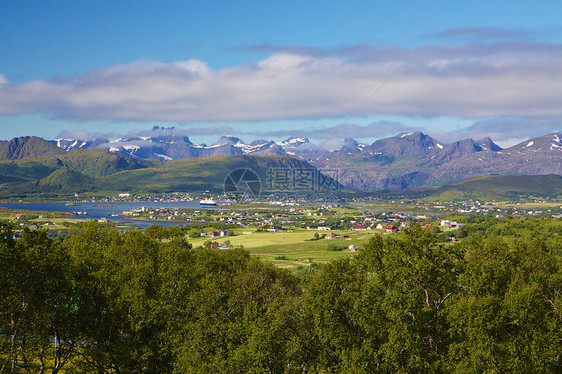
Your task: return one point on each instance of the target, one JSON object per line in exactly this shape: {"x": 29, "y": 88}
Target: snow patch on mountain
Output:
{"x": 164, "y": 157}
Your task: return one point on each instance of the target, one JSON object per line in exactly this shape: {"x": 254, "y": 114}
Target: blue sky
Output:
{"x": 361, "y": 69}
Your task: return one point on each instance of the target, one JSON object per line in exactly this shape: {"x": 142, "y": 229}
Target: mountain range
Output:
{"x": 167, "y": 145}
{"x": 404, "y": 161}
{"x": 38, "y": 169}
{"x": 32, "y": 166}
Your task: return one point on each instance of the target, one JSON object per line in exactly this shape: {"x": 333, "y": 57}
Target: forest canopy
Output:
{"x": 106, "y": 301}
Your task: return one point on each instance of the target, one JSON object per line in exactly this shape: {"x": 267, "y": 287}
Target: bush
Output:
{"x": 335, "y": 248}
{"x": 442, "y": 238}
{"x": 194, "y": 233}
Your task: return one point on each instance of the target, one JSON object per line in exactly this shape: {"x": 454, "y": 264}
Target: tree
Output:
{"x": 37, "y": 303}
{"x": 509, "y": 319}
{"x": 194, "y": 233}
{"x": 224, "y": 325}
{"x": 385, "y": 309}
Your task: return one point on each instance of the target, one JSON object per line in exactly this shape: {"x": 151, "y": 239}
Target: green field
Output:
{"x": 54, "y": 220}
{"x": 297, "y": 247}
{"x": 51, "y": 221}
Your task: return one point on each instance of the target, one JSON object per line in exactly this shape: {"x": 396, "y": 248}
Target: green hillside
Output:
{"x": 96, "y": 171}
{"x": 28, "y": 146}
{"x": 53, "y": 175}
{"x": 197, "y": 174}
{"x": 65, "y": 179}
{"x": 497, "y": 187}
{"x": 28, "y": 169}
{"x": 98, "y": 163}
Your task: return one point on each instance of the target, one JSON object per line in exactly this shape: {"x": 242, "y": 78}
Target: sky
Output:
{"x": 275, "y": 69}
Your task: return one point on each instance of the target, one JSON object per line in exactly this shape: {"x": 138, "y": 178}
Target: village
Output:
{"x": 293, "y": 235}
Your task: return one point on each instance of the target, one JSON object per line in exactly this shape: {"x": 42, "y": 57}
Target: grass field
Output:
{"x": 55, "y": 220}
{"x": 291, "y": 249}
{"x": 51, "y": 221}
{"x": 537, "y": 204}
{"x": 285, "y": 249}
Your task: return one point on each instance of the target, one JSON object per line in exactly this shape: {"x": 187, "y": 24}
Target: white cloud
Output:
{"x": 506, "y": 132}
{"x": 474, "y": 81}
{"x": 375, "y": 130}
{"x": 83, "y": 135}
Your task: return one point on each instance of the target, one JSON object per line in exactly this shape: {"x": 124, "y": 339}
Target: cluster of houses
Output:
{"x": 387, "y": 227}
{"x": 215, "y": 234}
{"x": 33, "y": 225}
{"x": 452, "y": 225}
{"x": 127, "y": 197}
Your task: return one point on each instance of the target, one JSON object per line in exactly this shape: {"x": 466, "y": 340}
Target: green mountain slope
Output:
{"x": 98, "y": 163}
{"x": 28, "y": 146}
{"x": 496, "y": 187}
{"x": 28, "y": 169}
{"x": 198, "y": 174}
{"x": 102, "y": 172}
{"x": 67, "y": 180}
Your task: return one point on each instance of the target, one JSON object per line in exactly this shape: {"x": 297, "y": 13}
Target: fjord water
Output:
{"x": 95, "y": 211}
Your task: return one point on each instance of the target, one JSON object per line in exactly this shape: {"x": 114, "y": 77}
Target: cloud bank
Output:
{"x": 473, "y": 81}
{"x": 374, "y": 130}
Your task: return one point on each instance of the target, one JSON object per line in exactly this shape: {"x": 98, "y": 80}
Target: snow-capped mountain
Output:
{"x": 551, "y": 142}
{"x": 402, "y": 161}
{"x": 416, "y": 160}
{"x": 166, "y": 145}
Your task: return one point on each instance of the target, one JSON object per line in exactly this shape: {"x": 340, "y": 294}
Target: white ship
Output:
{"x": 209, "y": 202}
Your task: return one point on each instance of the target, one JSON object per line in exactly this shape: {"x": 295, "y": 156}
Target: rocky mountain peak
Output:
{"x": 547, "y": 143}
{"x": 405, "y": 144}
{"x": 487, "y": 144}
{"x": 228, "y": 140}
{"x": 26, "y": 146}
{"x": 294, "y": 141}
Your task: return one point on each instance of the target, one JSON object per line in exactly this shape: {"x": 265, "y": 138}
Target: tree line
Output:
{"x": 104, "y": 301}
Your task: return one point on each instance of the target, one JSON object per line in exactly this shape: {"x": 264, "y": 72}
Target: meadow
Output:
{"x": 292, "y": 249}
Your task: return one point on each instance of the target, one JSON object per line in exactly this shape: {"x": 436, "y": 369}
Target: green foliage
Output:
{"x": 159, "y": 232}
{"x": 146, "y": 302}
{"x": 194, "y": 233}
{"x": 335, "y": 248}
{"x": 39, "y": 318}
{"x": 508, "y": 319}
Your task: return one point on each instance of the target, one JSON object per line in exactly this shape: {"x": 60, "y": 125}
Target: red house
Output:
{"x": 391, "y": 228}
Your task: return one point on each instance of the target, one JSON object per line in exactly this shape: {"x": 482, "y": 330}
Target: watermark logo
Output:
{"x": 244, "y": 184}
{"x": 281, "y": 184}
{"x": 302, "y": 180}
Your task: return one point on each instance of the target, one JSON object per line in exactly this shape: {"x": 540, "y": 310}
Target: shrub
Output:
{"x": 335, "y": 248}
